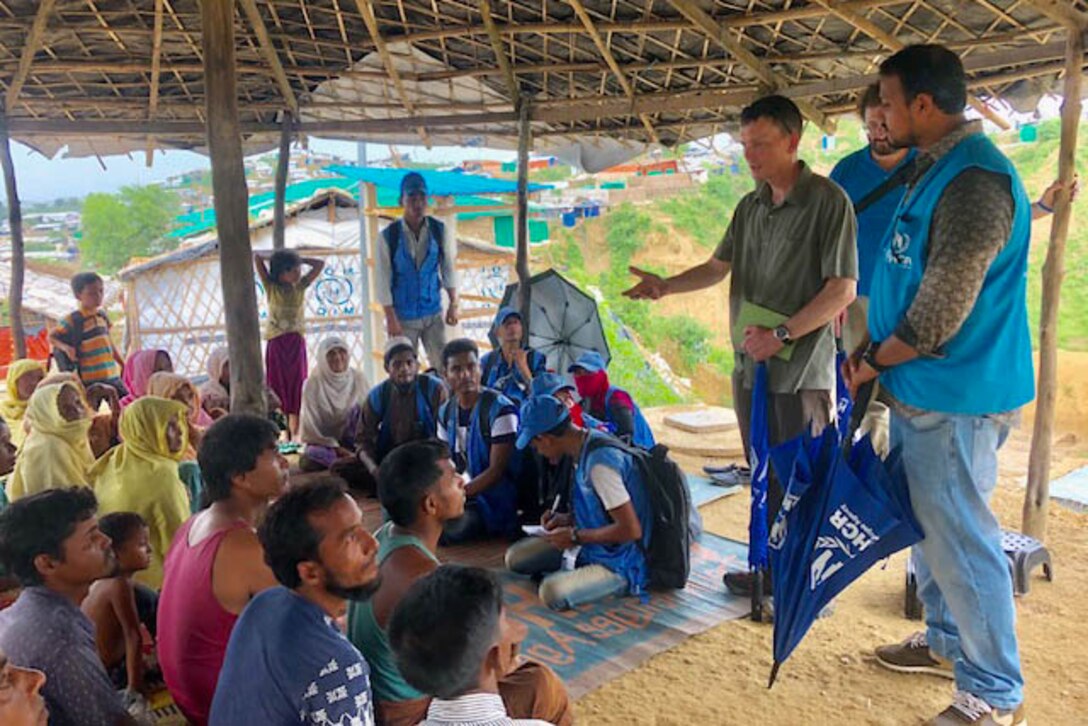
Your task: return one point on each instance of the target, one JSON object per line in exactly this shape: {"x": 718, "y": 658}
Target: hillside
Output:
{"x": 671, "y": 234}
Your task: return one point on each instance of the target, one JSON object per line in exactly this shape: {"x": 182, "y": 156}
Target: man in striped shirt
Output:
{"x": 90, "y": 348}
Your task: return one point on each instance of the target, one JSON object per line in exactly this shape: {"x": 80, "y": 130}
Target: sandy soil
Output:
{"x": 720, "y": 677}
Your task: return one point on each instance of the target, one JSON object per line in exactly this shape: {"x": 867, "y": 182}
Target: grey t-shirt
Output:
{"x": 781, "y": 256}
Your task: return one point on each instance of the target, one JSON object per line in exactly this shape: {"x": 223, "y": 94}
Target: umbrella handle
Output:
{"x": 861, "y": 404}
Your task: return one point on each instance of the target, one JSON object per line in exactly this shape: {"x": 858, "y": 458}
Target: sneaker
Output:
{"x": 741, "y": 583}
{"x": 914, "y": 656}
{"x": 969, "y": 710}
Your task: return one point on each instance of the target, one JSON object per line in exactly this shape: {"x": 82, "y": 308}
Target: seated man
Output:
{"x": 609, "y": 523}
{"x": 480, "y": 426}
{"x": 611, "y": 405}
{"x": 421, "y": 491}
{"x": 511, "y": 368}
{"x": 402, "y": 408}
{"x": 452, "y": 637}
{"x": 51, "y": 542}
{"x": 216, "y": 564}
{"x": 287, "y": 661}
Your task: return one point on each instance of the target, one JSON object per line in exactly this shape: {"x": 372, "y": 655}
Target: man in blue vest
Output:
{"x": 609, "y": 523}
{"x": 414, "y": 261}
{"x": 867, "y": 177}
{"x": 511, "y": 368}
{"x": 608, "y": 404}
{"x": 952, "y": 350}
{"x": 402, "y": 408}
{"x": 480, "y": 426}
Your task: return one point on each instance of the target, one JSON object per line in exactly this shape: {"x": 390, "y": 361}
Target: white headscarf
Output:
{"x": 327, "y": 397}
{"x": 213, "y": 392}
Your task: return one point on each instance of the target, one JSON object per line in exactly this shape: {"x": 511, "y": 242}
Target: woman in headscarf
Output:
{"x": 179, "y": 388}
{"x": 139, "y": 368}
{"x": 104, "y": 426}
{"x": 332, "y": 399}
{"x": 215, "y": 393}
{"x": 24, "y": 375}
{"x": 57, "y": 451}
{"x": 141, "y": 475}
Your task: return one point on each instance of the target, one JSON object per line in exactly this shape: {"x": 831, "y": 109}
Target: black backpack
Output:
{"x": 74, "y": 339}
{"x": 676, "y": 523}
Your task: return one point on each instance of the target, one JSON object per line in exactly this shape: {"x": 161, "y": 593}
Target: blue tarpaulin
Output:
{"x": 439, "y": 183}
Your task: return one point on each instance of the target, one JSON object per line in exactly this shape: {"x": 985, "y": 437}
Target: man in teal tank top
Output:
{"x": 951, "y": 346}
{"x": 422, "y": 491}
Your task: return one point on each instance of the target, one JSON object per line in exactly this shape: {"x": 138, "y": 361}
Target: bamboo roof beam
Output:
{"x": 26, "y": 58}
{"x": 366, "y": 10}
{"x": 156, "y": 66}
{"x": 1061, "y": 11}
{"x": 268, "y": 51}
{"x": 606, "y": 53}
{"x": 495, "y": 39}
{"x": 889, "y": 41}
{"x": 723, "y": 36}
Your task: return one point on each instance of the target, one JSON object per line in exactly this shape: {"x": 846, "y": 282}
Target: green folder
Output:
{"x": 752, "y": 314}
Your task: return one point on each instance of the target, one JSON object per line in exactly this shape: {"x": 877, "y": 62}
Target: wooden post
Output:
{"x": 18, "y": 259}
{"x": 231, "y": 207}
{"x": 522, "y": 216}
{"x": 369, "y": 238}
{"x": 279, "y": 220}
{"x": 1038, "y": 492}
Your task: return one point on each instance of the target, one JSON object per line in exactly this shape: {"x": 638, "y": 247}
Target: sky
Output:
{"x": 42, "y": 180}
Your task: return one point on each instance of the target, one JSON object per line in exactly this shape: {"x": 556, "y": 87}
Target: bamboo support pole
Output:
{"x": 231, "y": 208}
{"x": 1037, "y": 498}
{"x": 18, "y": 258}
{"x": 522, "y": 217}
{"x": 279, "y": 218}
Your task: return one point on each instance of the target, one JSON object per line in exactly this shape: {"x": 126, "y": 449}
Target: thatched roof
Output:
{"x": 105, "y": 76}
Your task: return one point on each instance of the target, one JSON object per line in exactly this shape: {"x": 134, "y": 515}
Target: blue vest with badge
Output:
{"x": 626, "y": 560}
{"x": 506, "y": 377}
{"x": 986, "y": 367}
{"x": 643, "y": 435}
{"x": 426, "y": 393}
{"x": 498, "y": 505}
{"x": 417, "y": 291}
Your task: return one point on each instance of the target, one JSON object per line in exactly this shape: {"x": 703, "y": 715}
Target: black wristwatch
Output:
{"x": 782, "y": 333}
{"x": 869, "y": 356}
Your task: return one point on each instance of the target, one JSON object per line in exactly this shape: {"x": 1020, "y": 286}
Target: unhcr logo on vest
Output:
{"x": 854, "y": 537}
{"x": 897, "y": 250}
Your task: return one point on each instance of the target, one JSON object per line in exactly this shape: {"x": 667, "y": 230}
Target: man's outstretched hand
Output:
{"x": 650, "y": 286}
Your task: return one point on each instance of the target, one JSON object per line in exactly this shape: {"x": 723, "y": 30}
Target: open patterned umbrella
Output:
{"x": 563, "y": 320}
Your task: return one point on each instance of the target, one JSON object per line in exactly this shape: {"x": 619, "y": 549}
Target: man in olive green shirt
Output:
{"x": 792, "y": 249}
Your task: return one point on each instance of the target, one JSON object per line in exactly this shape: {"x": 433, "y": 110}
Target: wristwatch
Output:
{"x": 869, "y": 356}
{"x": 782, "y": 333}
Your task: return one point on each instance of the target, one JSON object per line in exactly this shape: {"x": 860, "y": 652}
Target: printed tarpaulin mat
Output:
{"x": 595, "y": 643}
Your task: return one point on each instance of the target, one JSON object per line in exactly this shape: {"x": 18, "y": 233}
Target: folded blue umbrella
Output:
{"x": 844, "y": 510}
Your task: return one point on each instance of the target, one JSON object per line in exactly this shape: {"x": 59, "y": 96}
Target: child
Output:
{"x": 285, "y": 355}
{"x": 83, "y": 337}
{"x": 112, "y": 605}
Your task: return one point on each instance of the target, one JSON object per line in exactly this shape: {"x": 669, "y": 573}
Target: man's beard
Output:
{"x": 883, "y": 148}
{"x": 359, "y": 593}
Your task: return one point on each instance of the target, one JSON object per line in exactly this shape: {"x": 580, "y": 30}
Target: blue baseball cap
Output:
{"x": 591, "y": 361}
{"x": 504, "y": 314}
{"x": 549, "y": 384}
{"x": 539, "y": 415}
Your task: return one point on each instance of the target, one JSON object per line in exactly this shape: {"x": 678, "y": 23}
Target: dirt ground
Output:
{"x": 720, "y": 677}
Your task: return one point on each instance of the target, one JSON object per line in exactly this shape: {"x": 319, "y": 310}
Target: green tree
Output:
{"x": 131, "y": 223}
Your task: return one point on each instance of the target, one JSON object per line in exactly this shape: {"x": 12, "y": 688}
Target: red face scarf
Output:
{"x": 592, "y": 387}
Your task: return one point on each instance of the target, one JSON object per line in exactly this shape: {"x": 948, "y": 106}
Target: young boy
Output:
{"x": 83, "y": 336}
{"x": 111, "y": 602}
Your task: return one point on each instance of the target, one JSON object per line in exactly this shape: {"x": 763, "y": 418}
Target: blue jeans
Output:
{"x": 963, "y": 576}
{"x": 562, "y": 589}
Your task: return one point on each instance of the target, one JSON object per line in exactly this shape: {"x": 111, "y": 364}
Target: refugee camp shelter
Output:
{"x": 593, "y": 82}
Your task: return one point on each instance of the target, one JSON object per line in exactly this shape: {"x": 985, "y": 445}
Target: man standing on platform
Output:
{"x": 952, "y": 349}
{"x": 414, "y": 261}
{"x": 791, "y": 247}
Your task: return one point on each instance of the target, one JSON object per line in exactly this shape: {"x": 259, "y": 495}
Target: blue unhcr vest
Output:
{"x": 986, "y": 367}
{"x": 498, "y": 505}
{"x": 625, "y": 559}
{"x": 505, "y": 377}
{"x": 643, "y": 436}
{"x": 426, "y": 423}
{"x": 417, "y": 291}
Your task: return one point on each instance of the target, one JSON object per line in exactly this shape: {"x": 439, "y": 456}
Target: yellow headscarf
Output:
{"x": 141, "y": 475}
{"x": 57, "y": 452}
{"x": 13, "y": 408}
